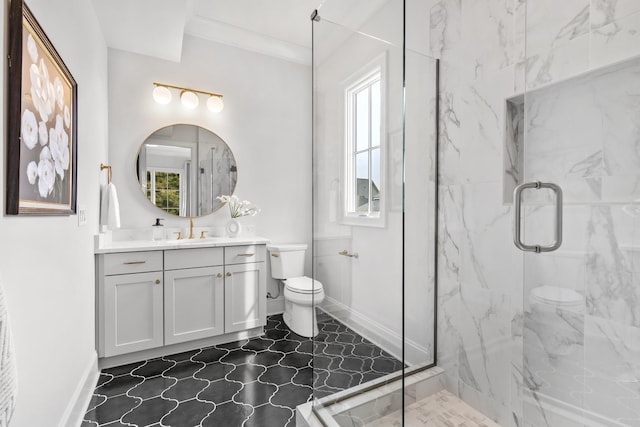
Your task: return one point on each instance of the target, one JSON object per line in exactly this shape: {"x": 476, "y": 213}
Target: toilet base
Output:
{"x": 301, "y": 319}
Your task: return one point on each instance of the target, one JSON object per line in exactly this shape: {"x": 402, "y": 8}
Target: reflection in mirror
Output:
{"x": 182, "y": 169}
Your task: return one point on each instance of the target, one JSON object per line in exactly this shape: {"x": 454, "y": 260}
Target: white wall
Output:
{"x": 266, "y": 122}
{"x": 46, "y": 263}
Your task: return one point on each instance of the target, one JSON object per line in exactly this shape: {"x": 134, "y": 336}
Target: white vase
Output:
{"x": 234, "y": 227}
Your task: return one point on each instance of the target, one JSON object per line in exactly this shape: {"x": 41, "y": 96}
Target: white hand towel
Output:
{"x": 110, "y": 207}
{"x": 8, "y": 377}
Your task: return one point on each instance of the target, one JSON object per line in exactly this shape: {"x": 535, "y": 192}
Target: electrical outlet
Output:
{"x": 82, "y": 215}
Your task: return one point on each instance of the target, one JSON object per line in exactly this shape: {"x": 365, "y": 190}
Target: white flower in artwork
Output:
{"x": 29, "y": 129}
{"x": 67, "y": 116}
{"x": 43, "y": 133}
{"x": 53, "y": 136}
{"x": 32, "y": 172}
{"x": 60, "y": 152}
{"x": 32, "y": 48}
{"x": 46, "y": 173}
{"x": 42, "y": 90}
{"x": 59, "y": 91}
{"x": 59, "y": 124}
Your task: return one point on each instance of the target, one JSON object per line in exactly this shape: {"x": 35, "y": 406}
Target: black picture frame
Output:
{"x": 42, "y": 129}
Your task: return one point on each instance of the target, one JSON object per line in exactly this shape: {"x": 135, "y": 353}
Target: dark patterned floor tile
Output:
{"x": 333, "y": 349}
{"x": 324, "y": 391}
{"x": 353, "y": 364}
{"x": 121, "y": 370}
{"x": 291, "y": 395}
{"x": 219, "y": 391}
{"x": 371, "y": 375}
{"x": 232, "y": 345}
{"x": 258, "y": 344}
{"x": 152, "y": 387}
{"x": 321, "y": 362}
{"x": 340, "y": 380}
{"x": 305, "y": 346}
{"x": 228, "y": 414}
{"x": 86, "y": 423}
{"x": 255, "y": 393}
{"x": 267, "y": 415}
{"x": 296, "y": 360}
{"x": 246, "y": 373}
{"x": 365, "y": 350}
{"x": 276, "y": 334}
{"x": 189, "y": 413}
{"x": 184, "y": 369}
{"x": 118, "y": 385}
{"x": 214, "y": 371}
{"x": 113, "y": 409}
{"x": 386, "y": 365}
{"x": 284, "y": 346}
{"x": 181, "y": 357}
{"x": 103, "y": 378}
{"x": 304, "y": 376}
{"x": 96, "y": 400}
{"x": 210, "y": 355}
{"x": 150, "y": 411}
{"x": 238, "y": 356}
{"x": 267, "y": 358}
{"x": 153, "y": 368}
{"x": 185, "y": 389}
{"x": 278, "y": 375}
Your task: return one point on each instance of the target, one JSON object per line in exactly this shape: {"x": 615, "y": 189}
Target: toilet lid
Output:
{"x": 303, "y": 284}
{"x": 556, "y": 295}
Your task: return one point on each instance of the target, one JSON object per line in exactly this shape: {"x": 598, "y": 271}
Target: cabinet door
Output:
{"x": 133, "y": 312}
{"x": 194, "y": 304}
{"x": 245, "y": 296}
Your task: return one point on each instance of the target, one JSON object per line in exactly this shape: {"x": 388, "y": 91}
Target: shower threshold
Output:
{"x": 378, "y": 403}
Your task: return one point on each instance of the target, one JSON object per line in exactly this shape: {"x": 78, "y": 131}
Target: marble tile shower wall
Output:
{"x": 492, "y": 50}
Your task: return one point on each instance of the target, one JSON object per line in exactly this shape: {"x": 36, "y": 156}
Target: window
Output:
{"x": 163, "y": 189}
{"x": 363, "y": 204}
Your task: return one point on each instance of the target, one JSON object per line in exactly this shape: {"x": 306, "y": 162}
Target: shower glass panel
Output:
{"x": 581, "y": 302}
{"x": 374, "y": 203}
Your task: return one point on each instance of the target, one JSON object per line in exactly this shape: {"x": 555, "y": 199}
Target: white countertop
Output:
{"x": 107, "y": 247}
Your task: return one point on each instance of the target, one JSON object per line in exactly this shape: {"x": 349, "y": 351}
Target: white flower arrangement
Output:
{"x": 47, "y": 126}
{"x": 238, "y": 208}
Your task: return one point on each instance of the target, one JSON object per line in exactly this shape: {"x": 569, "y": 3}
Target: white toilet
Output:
{"x": 301, "y": 293}
{"x": 554, "y": 310}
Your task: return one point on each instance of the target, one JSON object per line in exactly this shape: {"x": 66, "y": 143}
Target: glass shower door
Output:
{"x": 581, "y": 301}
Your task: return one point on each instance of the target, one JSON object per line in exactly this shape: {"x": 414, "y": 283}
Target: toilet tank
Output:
{"x": 287, "y": 260}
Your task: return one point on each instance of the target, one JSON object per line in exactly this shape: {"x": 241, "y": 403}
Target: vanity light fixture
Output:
{"x": 188, "y": 97}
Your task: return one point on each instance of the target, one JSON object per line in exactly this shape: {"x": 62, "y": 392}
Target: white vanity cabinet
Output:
{"x": 166, "y": 301}
{"x": 132, "y": 289}
{"x": 193, "y": 294}
{"x": 245, "y": 287}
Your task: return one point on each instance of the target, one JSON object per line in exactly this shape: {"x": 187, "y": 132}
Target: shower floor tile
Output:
{"x": 252, "y": 382}
{"x": 441, "y": 409}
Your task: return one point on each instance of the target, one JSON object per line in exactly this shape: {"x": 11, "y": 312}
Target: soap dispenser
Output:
{"x": 158, "y": 232}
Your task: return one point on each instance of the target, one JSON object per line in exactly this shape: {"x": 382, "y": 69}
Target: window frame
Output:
{"x": 365, "y": 77}
{"x": 153, "y": 172}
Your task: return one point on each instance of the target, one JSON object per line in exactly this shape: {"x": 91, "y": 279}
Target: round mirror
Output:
{"x": 182, "y": 169}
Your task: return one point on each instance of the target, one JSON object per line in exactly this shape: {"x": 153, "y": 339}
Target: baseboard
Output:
{"x": 558, "y": 412}
{"x": 79, "y": 401}
{"x": 388, "y": 340}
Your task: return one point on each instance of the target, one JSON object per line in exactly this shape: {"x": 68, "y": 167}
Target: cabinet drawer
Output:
{"x": 132, "y": 262}
{"x": 244, "y": 254}
{"x": 193, "y": 258}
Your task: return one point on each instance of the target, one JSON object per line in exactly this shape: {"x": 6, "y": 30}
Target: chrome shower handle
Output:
{"x": 517, "y": 229}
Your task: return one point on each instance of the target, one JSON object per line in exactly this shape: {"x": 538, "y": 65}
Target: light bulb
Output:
{"x": 189, "y": 99}
{"x": 215, "y": 104}
{"x": 162, "y": 95}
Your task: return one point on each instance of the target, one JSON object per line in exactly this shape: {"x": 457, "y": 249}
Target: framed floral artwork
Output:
{"x": 42, "y": 122}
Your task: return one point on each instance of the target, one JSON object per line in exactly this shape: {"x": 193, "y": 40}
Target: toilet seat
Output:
{"x": 303, "y": 285}
{"x": 557, "y": 296}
